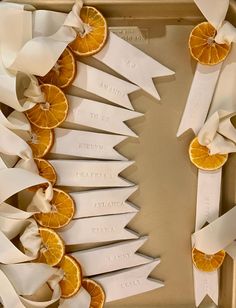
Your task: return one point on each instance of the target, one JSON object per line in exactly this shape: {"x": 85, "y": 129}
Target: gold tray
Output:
{"x": 167, "y": 180}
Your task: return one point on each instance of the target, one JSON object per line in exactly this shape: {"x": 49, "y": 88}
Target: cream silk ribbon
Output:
{"x": 218, "y": 133}
{"x": 206, "y": 77}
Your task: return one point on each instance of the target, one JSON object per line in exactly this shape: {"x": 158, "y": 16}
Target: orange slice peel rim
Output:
{"x": 96, "y": 292}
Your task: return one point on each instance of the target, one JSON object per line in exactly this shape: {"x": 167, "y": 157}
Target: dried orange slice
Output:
{"x": 207, "y": 263}
{"x": 52, "y": 248}
{"x": 62, "y": 211}
{"x": 41, "y": 141}
{"x": 96, "y": 292}
{"x": 95, "y": 33}
{"x": 200, "y": 157}
{"x": 71, "y": 282}
{"x": 52, "y": 112}
{"x": 46, "y": 170}
{"x": 63, "y": 72}
{"x": 203, "y": 47}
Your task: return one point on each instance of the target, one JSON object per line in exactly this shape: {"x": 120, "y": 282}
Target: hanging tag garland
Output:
{"x": 206, "y": 76}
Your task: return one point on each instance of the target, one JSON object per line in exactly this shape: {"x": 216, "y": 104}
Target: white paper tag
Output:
{"x": 87, "y": 173}
{"x": 103, "y": 202}
{"x": 200, "y": 97}
{"x": 129, "y": 282}
{"x": 100, "y": 116}
{"x": 98, "y": 229}
{"x": 112, "y": 257}
{"x": 208, "y": 197}
{"x": 104, "y": 85}
{"x": 133, "y": 64}
{"x": 86, "y": 144}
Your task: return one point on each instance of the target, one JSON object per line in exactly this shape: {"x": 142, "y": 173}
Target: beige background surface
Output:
{"x": 167, "y": 181}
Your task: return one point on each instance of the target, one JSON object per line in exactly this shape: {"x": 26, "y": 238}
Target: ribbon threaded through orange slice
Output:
{"x": 96, "y": 292}
{"x": 207, "y": 263}
{"x": 62, "y": 212}
{"x": 201, "y": 158}
{"x": 52, "y": 112}
{"x": 41, "y": 141}
{"x": 52, "y": 248}
{"x": 95, "y": 33}
{"x": 63, "y": 72}
{"x": 71, "y": 282}
{"x": 203, "y": 47}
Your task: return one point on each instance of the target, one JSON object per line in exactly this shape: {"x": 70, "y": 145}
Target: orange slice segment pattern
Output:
{"x": 52, "y": 248}
{"x": 52, "y": 112}
{"x": 62, "y": 212}
{"x": 41, "y": 141}
{"x": 95, "y": 34}
{"x": 63, "y": 72}
{"x": 207, "y": 263}
{"x": 203, "y": 47}
{"x": 71, "y": 282}
{"x": 200, "y": 157}
{"x": 96, "y": 292}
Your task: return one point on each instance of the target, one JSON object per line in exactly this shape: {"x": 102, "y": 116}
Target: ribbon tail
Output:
{"x": 8, "y": 295}
{"x": 206, "y": 284}
{"x": 213, "y": 10}
{"x": 208, "y": 197}
{"x": 129, "y": 282}
{"x": 199, "y": 99}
